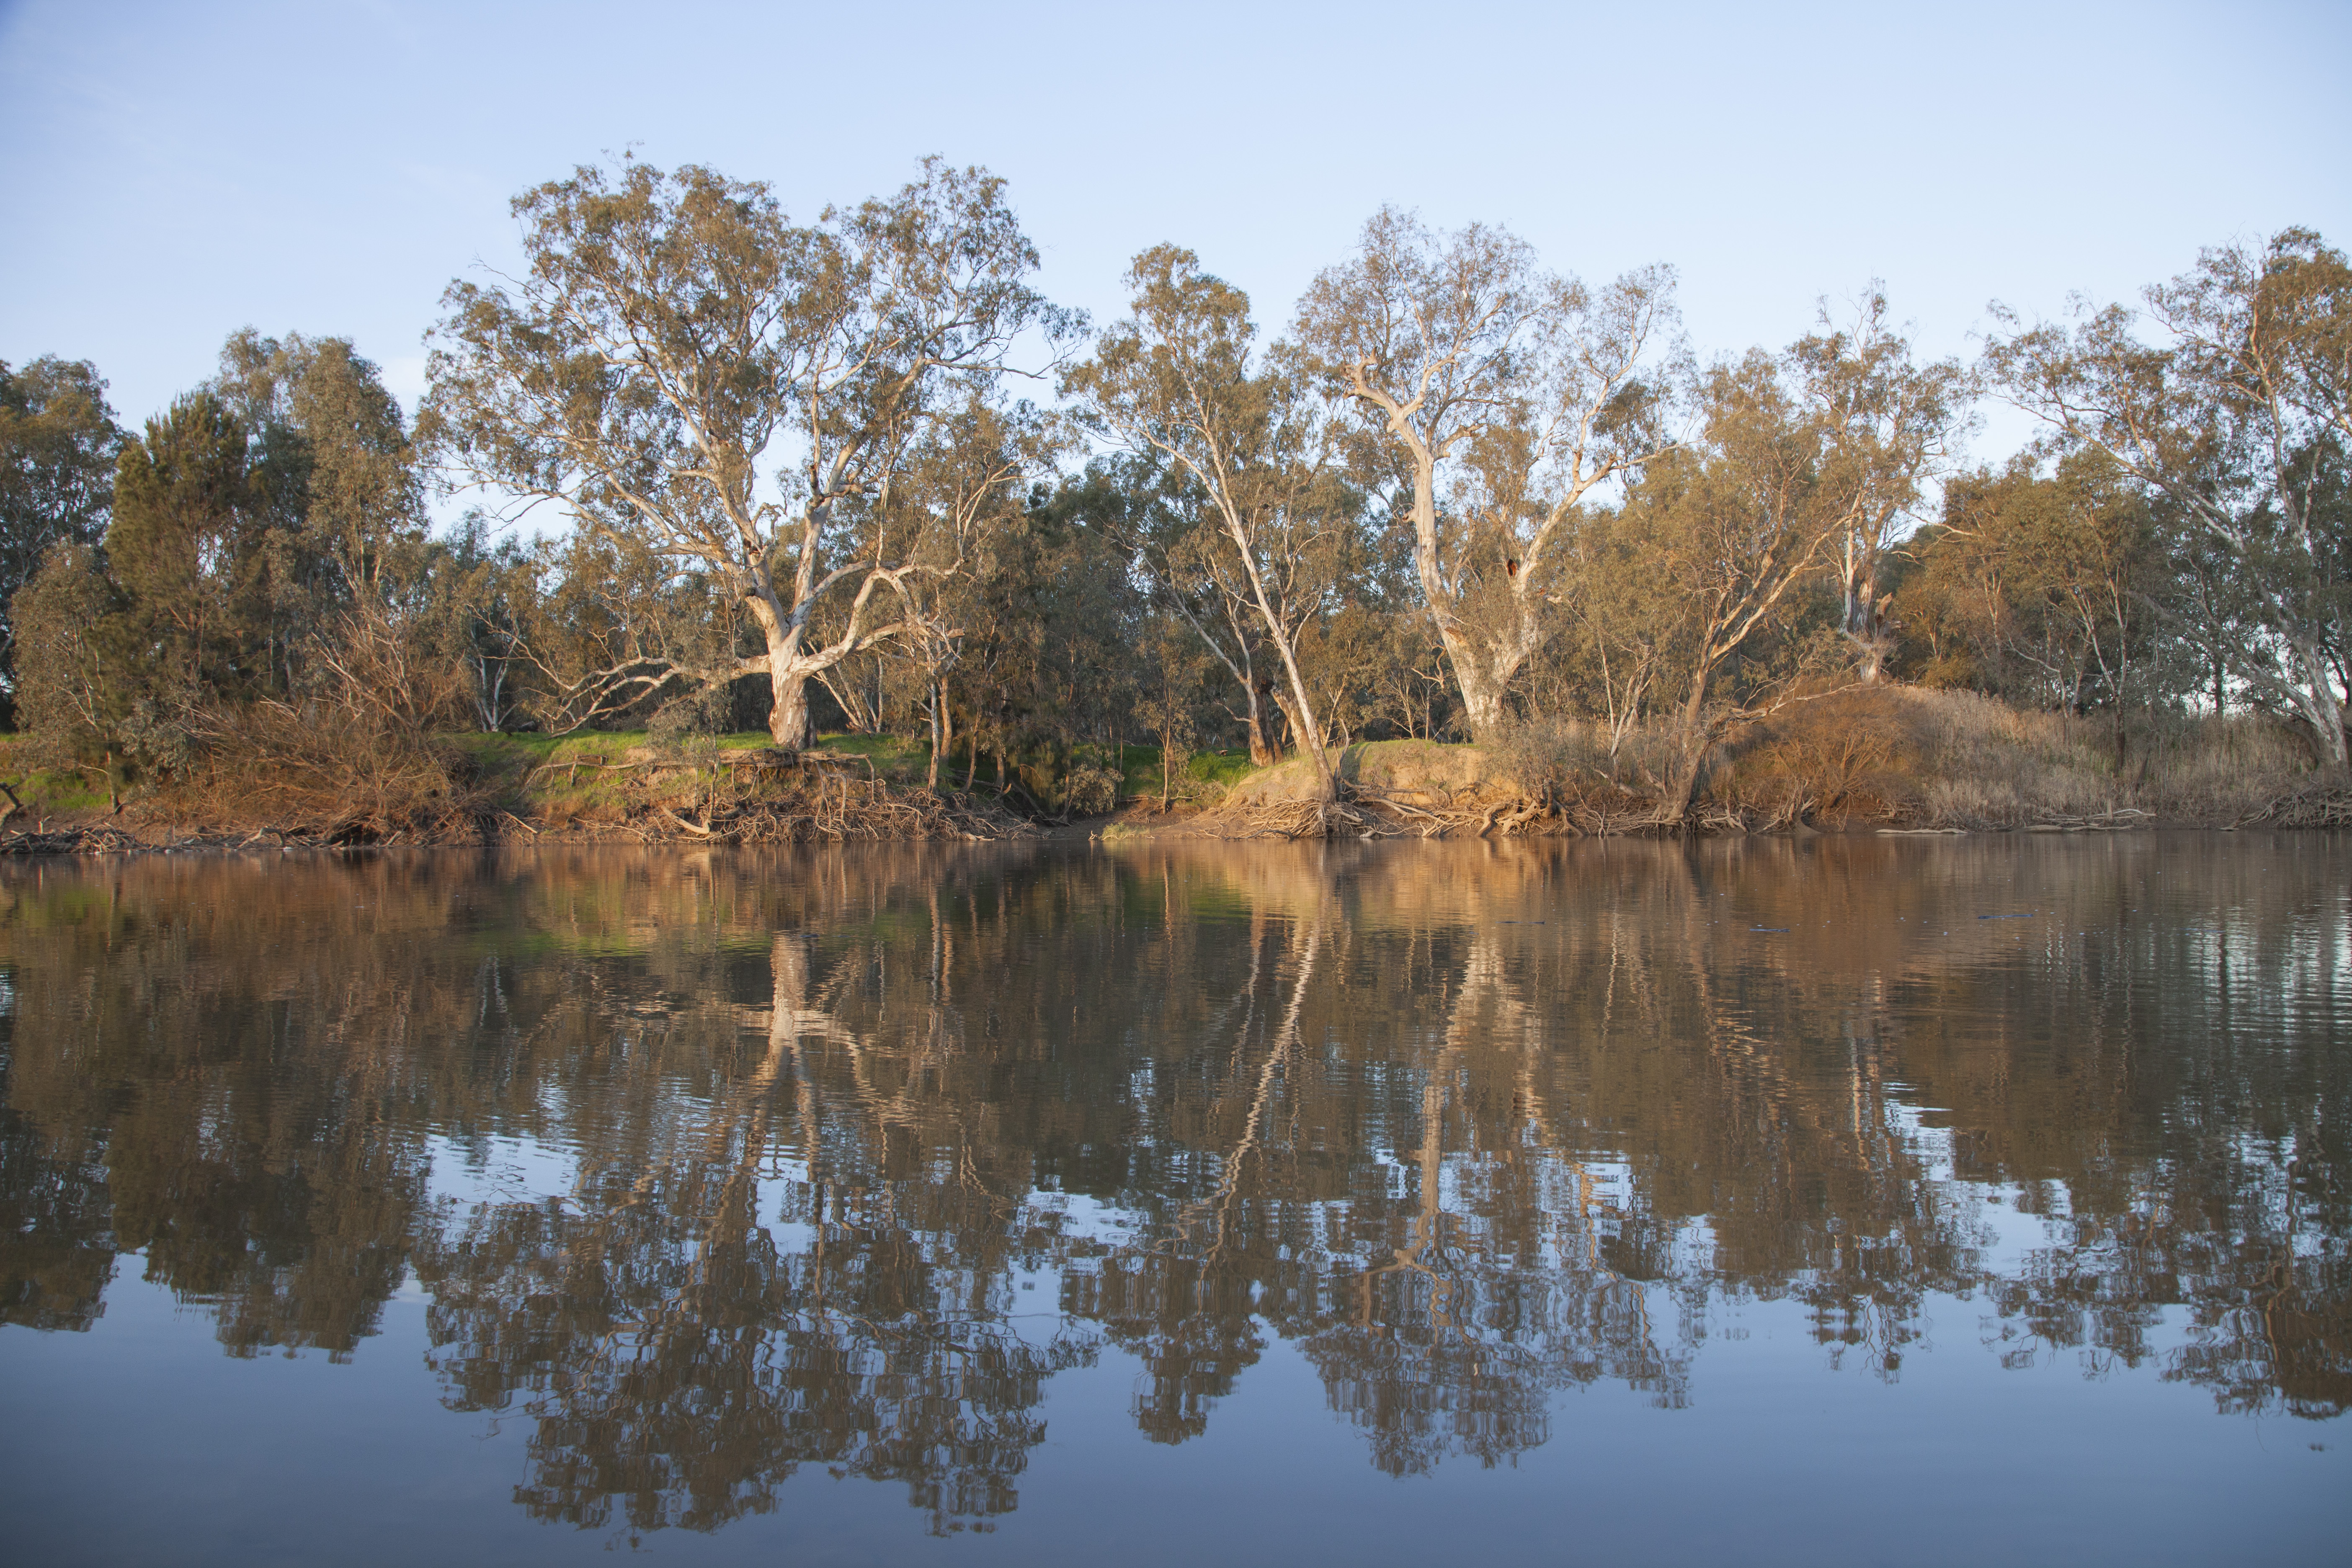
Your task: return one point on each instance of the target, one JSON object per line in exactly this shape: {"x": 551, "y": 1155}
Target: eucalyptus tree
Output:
{"x": 1727, "y": 533}
{"x": 2239, "y": 419}
{"x": 264, "y": 542}
{"x": 965, "y": 489}
{"x": 333, "y": 586}
{"x": 1890, "y": 426}
{"x": 122, "y": 642}
{"x": 1180, "y": 382}
{"x": 2048, "y": 588}
{"x": 681, "y": 365}
{"x": 1500, "y": 399}
{"x": 1152, "y": 512}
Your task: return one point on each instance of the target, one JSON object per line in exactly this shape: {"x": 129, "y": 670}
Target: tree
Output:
{"x": 675, "y": 337}
{"x": 264, "y": 599}
{"x": 1173, "y": 667}
{"x": 964, "y": 489}
{"x": 1501, "y": 398}
{"x": 122, "y": 644}
{"x": 2047, "y": 588}
{"x": 1178, "y": 379}
{"x": 1728, "y": 531}
{"x": 2240, "y": 419}
{"x": 58, "y": 442}
{"x": 1889, "y": 427}
{"x": 334, "y": 568}
{"x": 1154, "y": 514}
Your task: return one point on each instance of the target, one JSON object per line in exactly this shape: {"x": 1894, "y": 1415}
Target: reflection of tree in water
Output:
{"x": 829, "y": 1115}
{"x": 54, "y": 1210}
{"x": 154, "y": 1113}
{"x": 1484, "y": 1289}
{"x": 681, "y": 1360}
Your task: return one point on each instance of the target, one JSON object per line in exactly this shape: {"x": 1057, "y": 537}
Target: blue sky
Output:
{"x": 173, "y": 173}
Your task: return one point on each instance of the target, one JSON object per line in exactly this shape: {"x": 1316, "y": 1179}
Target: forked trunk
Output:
{"x": 1290, "y": 719}
{"x": 1482, "y": 693}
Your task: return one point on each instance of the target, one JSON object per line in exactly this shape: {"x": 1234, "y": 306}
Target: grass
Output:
{"x": 46, "y": 791}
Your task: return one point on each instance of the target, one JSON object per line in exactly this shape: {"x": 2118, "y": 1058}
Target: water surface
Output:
{"x": 1838, "y": 1200}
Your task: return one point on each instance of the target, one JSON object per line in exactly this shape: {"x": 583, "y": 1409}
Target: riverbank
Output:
{"x": 1898, "y": 760}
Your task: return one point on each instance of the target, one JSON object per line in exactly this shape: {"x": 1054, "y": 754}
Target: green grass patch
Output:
{"x": 1139, "y": 772}
{"x": 1224, "y": 769}
{"x": 903, "y": 758}
{"x": 44, "y": 790}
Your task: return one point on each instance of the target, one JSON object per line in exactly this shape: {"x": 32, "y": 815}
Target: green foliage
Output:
{"x": 2228, "y": 403}
{"x": 265, "y": 582}
{"x": 802, "y": 498}
{"x": 2045, "y": 589}
{"x": 676, "y": 340}
{"x": 58, "y": 442}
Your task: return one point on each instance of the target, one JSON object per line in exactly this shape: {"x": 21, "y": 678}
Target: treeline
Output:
{"x": 858, "y": 473}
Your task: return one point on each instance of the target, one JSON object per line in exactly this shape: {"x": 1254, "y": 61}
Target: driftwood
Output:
{"x": 1370, "y": 813}
{"x": 102, "y": 839}
{"x": 2122, "y": 820}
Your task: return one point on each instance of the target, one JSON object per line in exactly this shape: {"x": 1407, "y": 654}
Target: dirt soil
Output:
{"x": 1418, "y": 773}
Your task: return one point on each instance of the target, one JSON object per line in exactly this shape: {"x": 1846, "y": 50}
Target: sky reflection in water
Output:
{"x": 1835, "y": 1200}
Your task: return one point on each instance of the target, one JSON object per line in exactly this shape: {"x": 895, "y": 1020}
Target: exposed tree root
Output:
{"x": 1369, "y": 814}
{"x": 2328, "y": 806}
{"x": 839, "y": 811}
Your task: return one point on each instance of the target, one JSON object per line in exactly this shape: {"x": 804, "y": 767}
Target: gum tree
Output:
{"x": 1499, "y": 399}
{"x": 1890, "y": 426}
{"x": 2239, "y": 419}
{"x": 681, "y": 366}
{"x": 58, "y": 445}
{"x": 1179, "y": 383}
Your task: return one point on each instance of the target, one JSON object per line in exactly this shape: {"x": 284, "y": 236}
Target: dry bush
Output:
{"x": 1959, "y": 758}
{"x": 343, "y": 772}
{"x": 1571, "y": 758}
{"x": 2224, "y": 772}
{"x": 1788, "y": 774}
{"x": 1979, "y": 762}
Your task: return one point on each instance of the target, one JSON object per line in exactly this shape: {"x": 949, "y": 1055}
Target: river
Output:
{"x": 1840, "y": 1200}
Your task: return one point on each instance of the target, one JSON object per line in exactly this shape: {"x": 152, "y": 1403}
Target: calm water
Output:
{"x": 1842, "y": 1201}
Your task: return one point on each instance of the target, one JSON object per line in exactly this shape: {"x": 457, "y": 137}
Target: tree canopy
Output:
{"x": 858, "y": 472}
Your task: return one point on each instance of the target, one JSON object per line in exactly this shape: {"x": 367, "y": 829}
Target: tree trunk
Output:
{"x": 1697, "y": 741}
{"x": 2315, "y": 697}
{"x": 788, "y": 719}
{"x": 1290, "y": 719}
{"x": 1262, "y": 753}
{"x": 1481, "y": 694}
{"x": 939, "y": 733}
{"x": 2328, "y": 730}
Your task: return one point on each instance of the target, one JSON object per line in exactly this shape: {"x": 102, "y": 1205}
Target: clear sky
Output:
{"x": 169, "y": 172}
